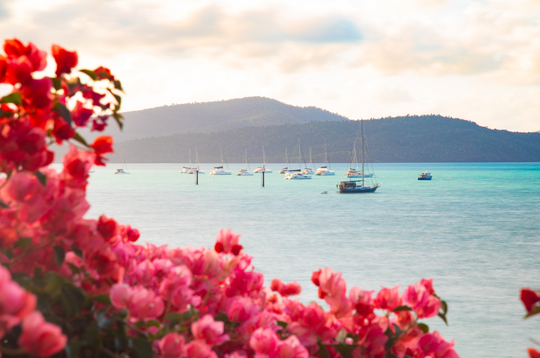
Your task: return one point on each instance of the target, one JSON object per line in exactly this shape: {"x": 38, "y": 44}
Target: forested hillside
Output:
{"x": 429, "y": 138}
{"x": 211, "y": 117}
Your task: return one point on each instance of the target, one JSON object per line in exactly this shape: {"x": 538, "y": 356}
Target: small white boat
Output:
{"x": 284, "y": 170}
{"x": 353, "y": 173}
{"x": 307, "y": 171}
{"x": 120, "y": 171}
{"x": 263, "y": 168}
{"x": 324, "y": 171}
{"x": 245, "y": 172}
{"x": 193, "y": 170}
{"x": 296, "y": 175}
{"x": 219, "y": 171}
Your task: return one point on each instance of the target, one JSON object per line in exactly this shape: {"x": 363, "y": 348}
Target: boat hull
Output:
{"x": 424, "y": 178}
{"x": 357, "y": 190}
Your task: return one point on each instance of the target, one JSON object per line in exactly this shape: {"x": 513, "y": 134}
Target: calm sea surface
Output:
{"x": 475, "y": 229}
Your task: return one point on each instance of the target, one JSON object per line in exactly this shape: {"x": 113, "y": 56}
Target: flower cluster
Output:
{"x": 100, "y": 292}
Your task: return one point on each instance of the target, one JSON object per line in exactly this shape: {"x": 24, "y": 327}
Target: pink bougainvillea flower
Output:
{"x": 227, "y": 242}
{"x": 171, "y": 345}
{"x": 331, "y": 283}
{"x": 209, "y": 330}
{"x": 415, "y": 296}
{"x": 107, "y": 227}
{"x": 65, "y": 60}
{"x": 264, "y": 341}
{"x": 388, "y": 298}
{"x": 40, "y": 338}
{"x": 430, "y": 309}
{"x": 199, "y": 349}
{"x": 120, "y": 295}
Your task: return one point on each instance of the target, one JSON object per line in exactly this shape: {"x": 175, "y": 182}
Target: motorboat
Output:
{"x": 296, "y": 175}
{"x": 120, "y": 171}
{"x": 219, "y": 171}
{"x": 425, "y": 176}
{"x": 323, "y": 171}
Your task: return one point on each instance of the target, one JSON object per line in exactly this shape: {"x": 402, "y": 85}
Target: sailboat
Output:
{"x": 353, "y": 172}
{"x": 284, "y": 170}
{"x": 122, "y": 170}
{"x": 197, "y": 162}
{"x": 219, "y": 170}
{"x": 296, "y": 174}
{"x": 324, "y": 170}
{"x": 188, "y": 170}
{"x": 263, "y": 168}
{"x": 245, "y": 172}
{"x": 357, "y": 186}
{"x": 307, "y": 170}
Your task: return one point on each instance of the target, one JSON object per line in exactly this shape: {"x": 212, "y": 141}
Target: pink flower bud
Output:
{"x": 227, "y": 242}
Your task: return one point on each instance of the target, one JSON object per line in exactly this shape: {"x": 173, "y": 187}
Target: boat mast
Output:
{"x": 249, "y": 169}
{"x": 299, "y": 155}
{"x": 264, "y": 157}
{"x": 326, "y": 155}
{"x": 362, "y": 126}
{"x": 310, "y": 159}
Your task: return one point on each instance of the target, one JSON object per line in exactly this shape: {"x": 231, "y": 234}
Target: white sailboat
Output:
{"x": 324, "y": 170}
{"x": 186, "y": 170}
{"x": 354, "y": 172}
{"x": 358, "y": 186}
{"x": 245, "y": 172}
{"x": 197, "y": 163}
{"x": 307, "y": 170}
{"x": 284, "y": 170}
{"x": 219, "y": 170}
{"x": 263, "y": 168}
{"x": 297, "y": 174}
{"x": 122, "y": 170}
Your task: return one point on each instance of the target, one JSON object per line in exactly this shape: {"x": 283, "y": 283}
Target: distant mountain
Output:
{"x": 211, "y": 117}
{"x": 429, "y": 138}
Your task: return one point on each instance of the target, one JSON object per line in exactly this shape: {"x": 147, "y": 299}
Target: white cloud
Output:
{"x": 416, "y": 58}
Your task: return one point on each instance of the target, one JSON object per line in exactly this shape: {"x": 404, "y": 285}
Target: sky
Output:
{"x": 475, "y": 60}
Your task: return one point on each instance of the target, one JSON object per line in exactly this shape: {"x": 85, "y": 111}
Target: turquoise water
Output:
{"x": 474, "y": 228}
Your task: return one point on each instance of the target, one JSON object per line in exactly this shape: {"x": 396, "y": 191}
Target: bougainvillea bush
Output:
{"x": 79, "y": 287}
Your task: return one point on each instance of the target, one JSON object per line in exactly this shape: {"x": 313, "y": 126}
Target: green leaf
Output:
{"x": 102, "y": 299}
{"x": 533, "y": 312}
{"x": 57, "y": 84}
{"x": 77, "y": 251}
{"x": 74, "y": 269}
{"x": 282, "y": 324}
{"x": 141, "y": 347}
{"x": 41, "y": 177}
{"x": 37, "y": 271}
{"x": 444, "y": 306}
{"x": 345, "y": 350}
{"x": 323, "y": 352}
{"x": 62, "y": 110}
{"x": 118, "y": 85}
{"x": 8, "y": 253}
{"x": 3, "y": 205}
{"x": 424, "y": 327}
{"x": 59, "y": 255}
{"x": 118, "y": 118}
{"x": 443, "y": 317}
{"x": 402, "y": 308}
{"x": 90, "y": 74}
{"x": 72, "y": 348}
{"x": 14, "y": 97}
{"x": 80, "y": 139}
{"x": 23, "y": 242}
